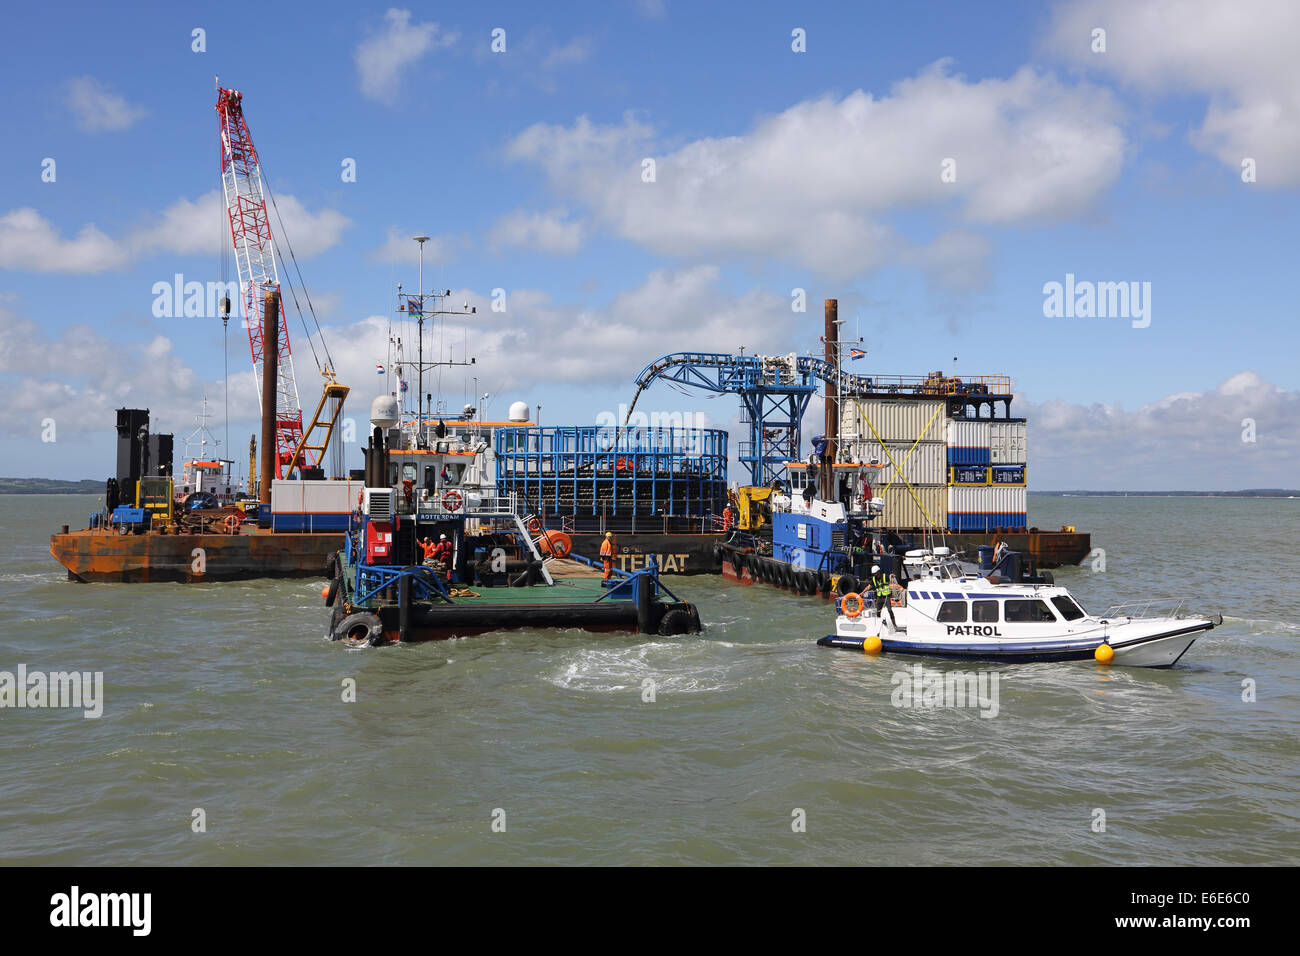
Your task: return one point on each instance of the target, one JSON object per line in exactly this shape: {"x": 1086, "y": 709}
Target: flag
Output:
{"x": 856, "y": 353}
{"x": 414, "y": 307}
{"x": 379, "y": 369}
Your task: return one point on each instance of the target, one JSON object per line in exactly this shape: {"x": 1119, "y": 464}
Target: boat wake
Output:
{"x": 674, "y": 669}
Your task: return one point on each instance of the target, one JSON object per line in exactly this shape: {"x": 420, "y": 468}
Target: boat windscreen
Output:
{"x": 1068, "y": 608}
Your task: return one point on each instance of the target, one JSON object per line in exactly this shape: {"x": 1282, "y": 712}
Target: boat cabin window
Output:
{"x": 452, "y": 472}
{"x": 984, "y": 612}
{"x": 430, "y": 477}
{"x": 408, "y": 472}
{"x": 1069, "y": 610}
{"x": 1029, "y": 612}
{"x": 952, "y": 612}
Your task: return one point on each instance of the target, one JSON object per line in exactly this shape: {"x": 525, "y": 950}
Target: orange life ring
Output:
{"x": 534, "y": 526}
{"x": 858, "y": 604}
{"x": 451, "y": 500}
{"x": 232, "y": 524}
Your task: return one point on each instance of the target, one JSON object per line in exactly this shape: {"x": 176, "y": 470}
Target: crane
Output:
{"x": 256, "y": 261}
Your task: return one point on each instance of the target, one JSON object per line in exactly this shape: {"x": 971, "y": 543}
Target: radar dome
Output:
{"x": 519, "y": 412}
{"x": 383, "y": 411}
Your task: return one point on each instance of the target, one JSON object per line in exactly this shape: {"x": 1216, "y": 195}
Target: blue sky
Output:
{"x": 776, "y": 170}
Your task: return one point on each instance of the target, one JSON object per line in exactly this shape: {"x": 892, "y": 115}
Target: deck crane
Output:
{"x": 256, "y": 259}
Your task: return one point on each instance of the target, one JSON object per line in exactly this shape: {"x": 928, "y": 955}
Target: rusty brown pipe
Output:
{"x": 270, "y": 363}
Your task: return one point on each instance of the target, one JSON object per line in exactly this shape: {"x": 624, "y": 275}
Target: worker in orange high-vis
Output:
{"x": 607, "y": 555}
{"x": 727, "y": 516}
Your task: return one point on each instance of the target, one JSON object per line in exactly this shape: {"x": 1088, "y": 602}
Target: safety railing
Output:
{"x": 374, "y": 578}
{"x": 1139, "y": 610}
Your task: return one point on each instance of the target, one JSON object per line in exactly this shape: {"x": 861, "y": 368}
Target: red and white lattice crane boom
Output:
{"x": 250, "y": 229}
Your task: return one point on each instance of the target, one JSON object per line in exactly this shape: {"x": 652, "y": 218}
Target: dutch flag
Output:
{"x": 379, "y": 369}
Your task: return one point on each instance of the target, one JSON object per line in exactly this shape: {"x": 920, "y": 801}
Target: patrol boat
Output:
{"x": 949, "y": 609}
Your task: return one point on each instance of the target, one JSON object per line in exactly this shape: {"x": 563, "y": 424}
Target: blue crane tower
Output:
{"x": 774, "y": 391}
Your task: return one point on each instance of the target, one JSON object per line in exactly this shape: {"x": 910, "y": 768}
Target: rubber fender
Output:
{"x": 847, "y": 584}
{"x": 361, "y": 629}
{"x": 333, "y": 592}
{"x": 676, "y": 621}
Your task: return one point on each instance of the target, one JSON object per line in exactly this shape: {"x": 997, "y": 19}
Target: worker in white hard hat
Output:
{"x": 880, "y": 593}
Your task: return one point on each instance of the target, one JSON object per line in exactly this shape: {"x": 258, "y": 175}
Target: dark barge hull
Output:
{"x": 451, "y": 621}
{"x": 681, "y": 553}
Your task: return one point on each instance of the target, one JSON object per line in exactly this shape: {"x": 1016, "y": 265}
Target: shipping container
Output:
{"x": 1007, "y": 475}
{"x": 923, "y": 465}
{"x": 968, "y": 456}
{"x": 1007, "y": 500}
{"x": 968, "y": 432}
{"x": 969, "y": 475}
{"x": 986, "y": 509}
{"x": 891, "y": 420}
{"x": 1007, "y": 443}
{"x": 313, "y": 505}
{"x": 926, "y": 510}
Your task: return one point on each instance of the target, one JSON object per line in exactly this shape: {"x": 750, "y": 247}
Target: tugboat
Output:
{"x": 946, "y": 609}
{"x": 486, "y": 568}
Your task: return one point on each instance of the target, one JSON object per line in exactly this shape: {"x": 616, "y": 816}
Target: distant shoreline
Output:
{"x": 90, "y": 486}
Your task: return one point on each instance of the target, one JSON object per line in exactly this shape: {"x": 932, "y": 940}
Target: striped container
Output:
{"x": 892, "y": 421}
{"x": 986, "y": 509}
{"x": 968, "y": 441}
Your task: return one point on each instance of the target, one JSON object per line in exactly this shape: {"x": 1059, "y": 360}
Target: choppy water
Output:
{"x": 226, "y": 698}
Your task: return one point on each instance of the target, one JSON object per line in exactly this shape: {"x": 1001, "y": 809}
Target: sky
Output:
{"x": 935, "y": 167}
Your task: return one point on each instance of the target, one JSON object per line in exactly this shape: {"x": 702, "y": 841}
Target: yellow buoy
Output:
{"x": 1104, "y": 653}
{"x": 871, "y": 645}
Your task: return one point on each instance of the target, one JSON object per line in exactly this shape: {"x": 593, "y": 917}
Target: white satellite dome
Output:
{"x": 519, "y": 412}
{"x": 384, "y": 411}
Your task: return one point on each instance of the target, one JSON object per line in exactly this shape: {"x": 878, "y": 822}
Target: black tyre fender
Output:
{"x": 676, "y": 621}
{"x": 333, "y": 592}
{"x": 823, "y": 582}
{"x": 847, "y": 584}
{"x": 809, "y": 583}
{"x": 361, "y": 629}
{"x": 738, "y": 562}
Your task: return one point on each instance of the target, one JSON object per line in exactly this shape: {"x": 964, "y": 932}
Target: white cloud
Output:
{"x": 816, "y": 183}
{"x": 540, "y": 341}
{"x": 652, "y": 9}
{"x": 577, "y": 50}
{"x": 396, "y": 45}
{"x": 400, "y": 247}
{"x": 31, "y": 243}
{"x": 544, "y": 231}
{"x": 1241, "y": 55}
{"x": 98, "y": 109}
{"x": 1185, "y": 441}
{"x": 69, "y": 375}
